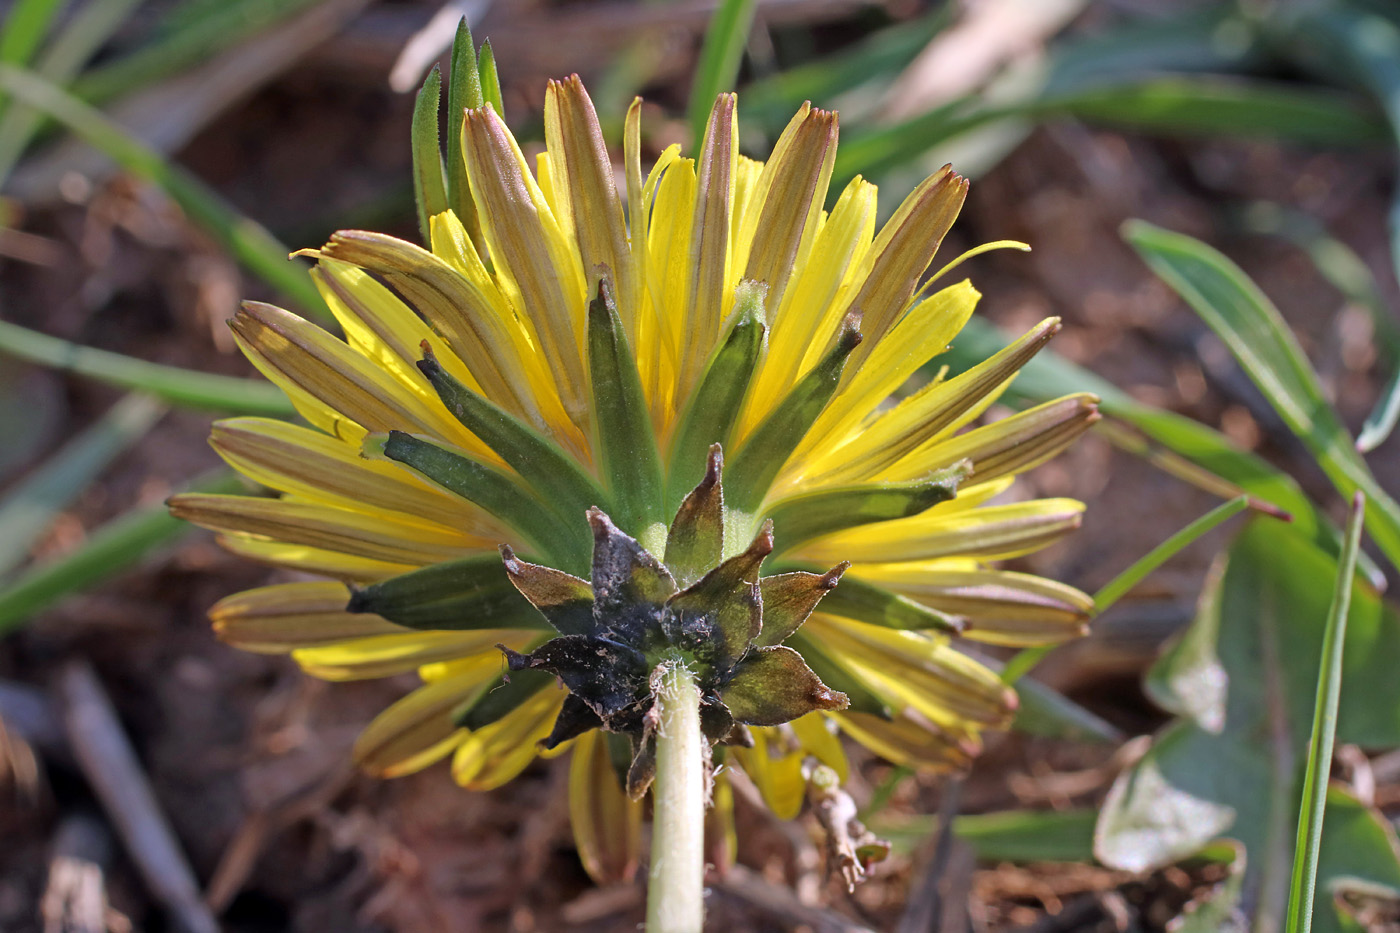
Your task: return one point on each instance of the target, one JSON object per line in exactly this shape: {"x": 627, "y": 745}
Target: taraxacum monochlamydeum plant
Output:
{"x": 589, "y": 430}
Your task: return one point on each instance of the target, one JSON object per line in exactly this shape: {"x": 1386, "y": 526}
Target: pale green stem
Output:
{"x": 676, "y": 882}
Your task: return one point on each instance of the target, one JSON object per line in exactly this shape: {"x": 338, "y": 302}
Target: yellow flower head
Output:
{"x": 569, "y": 345}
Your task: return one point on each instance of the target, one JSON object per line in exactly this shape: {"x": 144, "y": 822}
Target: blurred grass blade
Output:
{"x": 189, "y": 40}
{"x": 1324, "y": 732}
{"x": 1175, "y": 106}
{"x": 92, "y": 26}
{"x": 718, "y": 67}
{"x": 246, "y": 240}
{"x": 879, "y": 56}
{"x": 1348, "y": 273}
{"x": 1240, "y": 314}
{"x": 1381, "y": 421}
{"x": 115, "y": 546}
{"x": 178, "y": 386}
{"x": 429, "y": 186}
{"x": 28, "y": 509}
{"x": 1115, "y": 589}
{"x": 25, "y": 29}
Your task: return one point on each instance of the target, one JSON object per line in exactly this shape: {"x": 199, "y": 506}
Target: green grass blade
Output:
{"x": 1174, "y": 106}
{"x": 25, "y": 29}
{"x": 28, "y": 509}
{"x": 190, "y": 41}
{"x": 718, "y": 68}
{"x": 1324, "y": 731}
{"x": 117, "y": 545}
{"x": 1115, "y": 589}
{"x": 92, "y": 26}
{"x": 249, "y": 243}
{"x": 178, "y": 386}
{"x": 1240, "y": 314}
{"x": 429, "y": 186}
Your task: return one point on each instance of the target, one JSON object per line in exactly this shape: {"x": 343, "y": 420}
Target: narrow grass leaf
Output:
{"x": 718, "y": 68}
{"x": 250, "y": 243}
{"x": 429, "y": 186}
{"x": 184, "y": 42}
{"x": 117, "y": 545}
{"x": 1324, "y": 733}
{"x": 29, "y": 508}
{"x": 25, "y": 29}
{"x": 185, "y": 387}
{"x": 1240, "y": 314}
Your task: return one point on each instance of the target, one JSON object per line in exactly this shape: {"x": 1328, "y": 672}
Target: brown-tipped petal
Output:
{"x": 938, "y": 407}
{"x": 792, "y": 193}
{"x": 286, "y": 616}
{"x": 721, "y": 841}
{"x": 419, "y": 729}
{"x": 696, "y": 540}
{"x": 642, "y": 771}
{"x": 366, "y": 533}
{"x": 607, "y": 825}
{"x": 774, "y": 685}
{"x": 1011, "y": 445}
{"x": 903, "y": 250}
{"x": 579, "y": 163}
{"x": 534, "y": 259}
{"x": 562, "y": 598}
{"x": 709, "y": 245}
{"x": 910, "y": 743}
{"x": 476, "y": 322}
{"x": 789, "y": 598}
{"x": 624, "y": 574}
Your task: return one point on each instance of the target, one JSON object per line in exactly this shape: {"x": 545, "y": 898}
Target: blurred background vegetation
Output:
{"x": 1209, "y": 191}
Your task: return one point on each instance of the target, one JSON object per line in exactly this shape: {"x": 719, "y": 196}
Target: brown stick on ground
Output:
{"x": 111, "y": 767}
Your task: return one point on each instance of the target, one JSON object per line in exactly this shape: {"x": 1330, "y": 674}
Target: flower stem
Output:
{"x": 676, "y": 883}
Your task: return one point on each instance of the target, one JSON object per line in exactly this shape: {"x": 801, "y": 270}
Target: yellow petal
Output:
{"x": 370, "y": 533}
{"x": 607, "y": 823}
{"x": 774, "y": 764}
{"x": 313, "y": 560}
{"x": 420, "y": 729}
{"x": 921, "y": 670}
{"x": 537, "y": 266}
{"x": 1002, "y": 607}
{"x": 811, "y": 308}
{"x": 919, "y": 336}
{"x": 591, "y": 209}
{"x": 387, "y": 655}
{"x": 330, "y": 383}
{"x": 902, "y": 252}
{"x": 493, "y": 754}
{"x": 780, "y": 217}
{"x": 710, "y": 240}
{"x": 315, "y": 467}
{"x": 996, "y": 532}
{"x": 910, "y": 743}
{"x": 1006, "y": 447}
{"x": 668, "y": 283}
{"x": 721, "y": 841}
{"x": 286, "y": 616}
{"x": 821, "y": 742}
{"x": 937, "y": 408}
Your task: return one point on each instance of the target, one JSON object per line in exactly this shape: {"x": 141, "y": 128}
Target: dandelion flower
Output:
{"x": 573, "y": 373}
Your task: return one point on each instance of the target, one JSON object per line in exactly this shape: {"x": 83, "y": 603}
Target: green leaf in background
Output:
{"x": 1020, "y": 836}
{"x": 248, "y": 242}
{"x": 1240, "y": 314}
{"x": 115, "y": 546}
{"x": 1347, "y": 272}
{"x": 70, "y": 50}
{"x": 1243, "y": 678}
{"x": 1219, "y": 912}
{"x": 1324, "y": 733}
{"x": 25, "y": 29}
{"x": 28, "y": 509}
{"x": 725, "y": 38}
{"x": 178, "y": 386}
